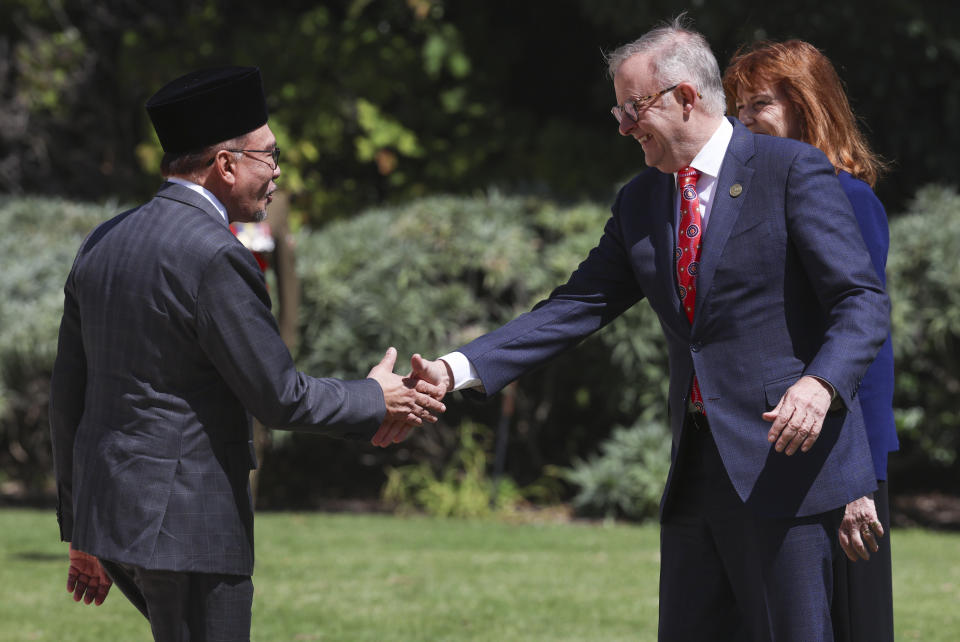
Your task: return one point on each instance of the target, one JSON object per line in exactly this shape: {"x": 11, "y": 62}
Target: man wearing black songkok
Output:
{"x": 167, "y": 347}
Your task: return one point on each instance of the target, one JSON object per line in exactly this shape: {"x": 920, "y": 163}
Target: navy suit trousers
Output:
{"x": 728, "y": 575}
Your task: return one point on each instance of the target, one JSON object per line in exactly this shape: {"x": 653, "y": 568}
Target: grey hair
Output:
{"x": 190, "y": 163}
{"x": 679, "y": 54}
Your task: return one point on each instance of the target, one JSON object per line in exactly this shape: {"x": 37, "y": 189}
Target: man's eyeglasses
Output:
{"x": 632, "y": 108}
{"x": 274, "y": 153}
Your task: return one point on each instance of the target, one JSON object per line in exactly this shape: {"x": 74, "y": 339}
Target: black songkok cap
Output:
{"x": 206, "y": 107}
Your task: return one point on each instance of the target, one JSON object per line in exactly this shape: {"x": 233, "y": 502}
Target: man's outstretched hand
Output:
{"x": 86, "y": 579}
{"x": 435, "y": 372}
{"x": 410, "y": 401}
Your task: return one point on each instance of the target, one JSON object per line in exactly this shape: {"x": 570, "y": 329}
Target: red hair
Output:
{"x": 813, "y": 88}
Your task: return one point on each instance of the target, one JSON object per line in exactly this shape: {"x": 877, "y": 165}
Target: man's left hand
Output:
{"x": 86, "y": 579}
{"x": 798, "y": 417}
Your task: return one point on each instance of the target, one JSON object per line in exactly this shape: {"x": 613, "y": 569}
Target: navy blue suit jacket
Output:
{"x": 786, "y": 289}
{"x": 166, "y": 347}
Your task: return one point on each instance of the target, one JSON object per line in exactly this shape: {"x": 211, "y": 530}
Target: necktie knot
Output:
{"x": 688, "y": 176}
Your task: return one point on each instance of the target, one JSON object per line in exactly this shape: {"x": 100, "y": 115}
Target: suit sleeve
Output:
{"x": 67, "y": 391}
{"x": 600, "y": 289}
{"x": 825, "y": 234}
{"x": 239, "y": 334}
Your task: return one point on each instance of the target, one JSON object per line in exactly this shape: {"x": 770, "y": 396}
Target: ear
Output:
{"x": 225, "y": 166}
{"x": 688, "y": 96}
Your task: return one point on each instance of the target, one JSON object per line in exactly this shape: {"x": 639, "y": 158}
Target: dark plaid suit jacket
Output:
{"x": 167, "y": 345}
{"x": 786, "y": 289}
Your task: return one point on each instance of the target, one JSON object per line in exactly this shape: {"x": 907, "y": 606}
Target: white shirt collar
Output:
{"x": 710, "y": 157}
{"x": 204, "y": 192}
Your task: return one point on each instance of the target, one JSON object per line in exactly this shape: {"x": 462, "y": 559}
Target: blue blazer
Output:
{"x": 167, "y": 345}
{"x": 876, "y": 391}
{"x": 786, "y": 289}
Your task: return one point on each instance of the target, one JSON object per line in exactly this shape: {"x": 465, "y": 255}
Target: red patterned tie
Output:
{"x": 688, "y": 253}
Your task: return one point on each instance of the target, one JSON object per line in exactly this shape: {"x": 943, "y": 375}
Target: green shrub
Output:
{"x": 40, "y": 240}
{"x": 462, "y": 489}
{"x": 923, "y": 274}
{"x": 627, "y": 477}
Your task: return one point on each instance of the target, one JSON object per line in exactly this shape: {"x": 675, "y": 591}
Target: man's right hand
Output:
{"x": 409, "y": 401}
{"x": 435, "y": 372}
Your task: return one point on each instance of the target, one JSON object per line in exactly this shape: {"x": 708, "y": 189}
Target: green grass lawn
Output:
{"x": 371, "y": 577}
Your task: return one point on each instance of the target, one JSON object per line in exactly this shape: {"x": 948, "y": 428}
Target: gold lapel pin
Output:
{"x": 736, "y": 190}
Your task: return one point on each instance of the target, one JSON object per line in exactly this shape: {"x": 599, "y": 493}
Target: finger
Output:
{"x": 72, "y": 579}
{"x": 386, "y": 435}
{"x": 102, "y": 593}
{"x": 792, "y": 446}
{"x": 869, "y": 539}
{"x": 403, "y": 434}
{"x": 420, "y": 366}
{"x": 427, "y": 402}
{"x": 91, "y": 591}
{"x": 427, "y": 415}
{"x": 812, "y": 435}
{"x": 383, "y": 434}
{"x": 389, "y": 359}
{"x": 786, "y": 436}
{"x": 860, "y": 546}
{"x": 877, "y": 528}
{"x": 411, "y": 419}
{"x": 435, "y": 372}
{"x": 800, "y": 437}
{"x": 427, "y": 388}
{"x": 778, "y": 421}
{"x": 80, "y": 588}
{"x": 847, "y": 547}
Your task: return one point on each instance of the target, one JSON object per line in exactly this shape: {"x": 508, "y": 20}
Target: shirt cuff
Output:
{"x": 464, "y": 374}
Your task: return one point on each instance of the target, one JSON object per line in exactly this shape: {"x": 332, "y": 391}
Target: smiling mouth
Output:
{"x": 643, "y": 139}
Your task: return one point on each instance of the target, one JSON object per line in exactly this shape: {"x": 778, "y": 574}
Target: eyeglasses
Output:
{"x": 632, "y": 108}
{"x": 274, "y": 153}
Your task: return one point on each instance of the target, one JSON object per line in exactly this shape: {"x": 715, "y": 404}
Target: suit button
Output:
{"x": 695, "y": 347}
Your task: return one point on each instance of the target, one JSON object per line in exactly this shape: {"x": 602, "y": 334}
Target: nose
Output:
{"x": 627, "y": 125}
{"x": 745, "y": 115}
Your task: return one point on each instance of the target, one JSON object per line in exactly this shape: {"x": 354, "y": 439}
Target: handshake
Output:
{"x": 412, "y": 399}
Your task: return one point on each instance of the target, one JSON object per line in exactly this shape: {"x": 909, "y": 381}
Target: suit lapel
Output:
{"x": 725, "y": 210}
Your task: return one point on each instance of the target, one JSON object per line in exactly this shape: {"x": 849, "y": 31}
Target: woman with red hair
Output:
{"x": 791, "y": 89}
